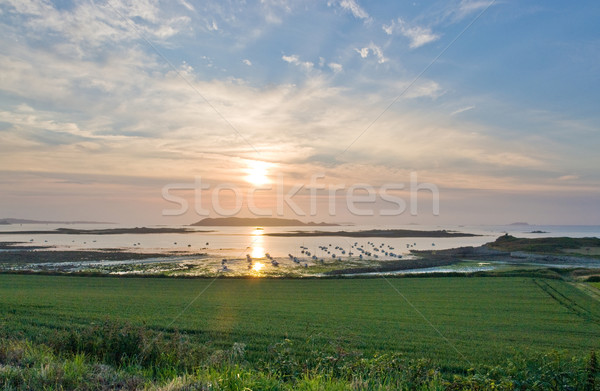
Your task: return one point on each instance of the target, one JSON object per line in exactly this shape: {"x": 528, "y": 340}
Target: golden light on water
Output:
{"x": 257, "y": 252}
{"x": 258, "y": 266}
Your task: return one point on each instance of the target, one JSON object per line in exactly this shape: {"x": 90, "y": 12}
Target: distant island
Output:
{"x": 9, "y": 221}
{"x": 519, "y": 223}
{"x": 257, "y": 222}
{"x": 378, "y": 233}
{"x": 110, "y": 231}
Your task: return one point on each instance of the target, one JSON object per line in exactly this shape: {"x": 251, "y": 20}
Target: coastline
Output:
{"x": 377, "y": 233}
{"x": 108, "y": 231}
{"x": 16, "y": 258}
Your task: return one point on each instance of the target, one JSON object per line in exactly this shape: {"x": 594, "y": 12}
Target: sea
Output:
{"x": 237, "y": 242}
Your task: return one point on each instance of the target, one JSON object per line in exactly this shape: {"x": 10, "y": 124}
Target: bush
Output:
{"x": 122, "y": 345}
{"x": 113, "y": 356}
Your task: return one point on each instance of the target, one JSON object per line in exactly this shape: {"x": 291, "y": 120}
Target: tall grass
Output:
{"x": 114, "y": 356}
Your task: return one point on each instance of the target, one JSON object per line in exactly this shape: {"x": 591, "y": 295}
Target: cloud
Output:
{"x": 364, "y": 52}
{"x": 82, "y": 94}
{"x": 467, "y": 7}
{"x": 373, "y": 49}
{"x": 295, "y": 60}
{"x": 457, "y": 10}
{"x": 274, "y": 9}
{"x": 26, "y": 118}
{"x": 389, "y": 29}
{"x": 429, "y": 89}
{"x": 462, "y": 110}
{"x": 213, "y": 26}
{"x": 335, "y": 67}
{"x": 156, "y": 122}
{"x": 351, "y": 6}
{"x": 187, "y": 5}
{"x": 568, "y": 177}
{"x": 115, "y": 21}
{"x": 417, "y": 35}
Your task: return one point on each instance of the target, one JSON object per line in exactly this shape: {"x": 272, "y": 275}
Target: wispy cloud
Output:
{"x": 335, "y": 67}
{"x": 352, "y": 6}
{"x": 462, "y": 110}
{"x": 372, "y": 49}
{"x": 417, "y": 35}
{"x": 187, "y": 5}
{"x": 568, "y": 177}
{"x": 467, "y": 7}
{"x": 99, "y": 24}
{"x": 429, "y": 89}
{"x": 213, "y": 26}
{"x": 363, "y": 52}
{"x": 247, "y": 62}
{"x": 295, "y": 60}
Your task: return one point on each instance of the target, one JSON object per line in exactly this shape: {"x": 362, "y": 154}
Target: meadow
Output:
{"x": 288, "y": 329}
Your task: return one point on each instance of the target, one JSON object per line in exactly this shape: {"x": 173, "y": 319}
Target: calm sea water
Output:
{"x": 239, "y": 241}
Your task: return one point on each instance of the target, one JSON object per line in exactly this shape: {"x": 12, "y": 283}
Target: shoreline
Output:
{"x": 108, "y": 231}
{"x": 377, "y": 233}
{"x": 180, "y": 263}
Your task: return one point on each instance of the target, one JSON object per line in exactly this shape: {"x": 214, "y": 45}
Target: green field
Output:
{"x": 484, "y": 318}
{"x": 458, "y": 323}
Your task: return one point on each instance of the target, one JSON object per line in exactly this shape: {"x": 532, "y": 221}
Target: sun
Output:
{"x": 257, "y": 173}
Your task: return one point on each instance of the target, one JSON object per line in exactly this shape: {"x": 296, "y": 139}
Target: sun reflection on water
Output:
{"x": 258, "y": 250}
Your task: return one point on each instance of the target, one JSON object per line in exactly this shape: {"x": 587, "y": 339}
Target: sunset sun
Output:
{"x": 257, "y": 173}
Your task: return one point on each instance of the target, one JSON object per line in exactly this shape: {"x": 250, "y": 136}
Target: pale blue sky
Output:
{"x": 104, "y": 102}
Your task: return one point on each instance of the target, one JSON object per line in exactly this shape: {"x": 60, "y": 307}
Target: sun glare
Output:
{"x": 257, "y": 173}
{"x": 258, "y": 252}
{"x": 258, "y": 266}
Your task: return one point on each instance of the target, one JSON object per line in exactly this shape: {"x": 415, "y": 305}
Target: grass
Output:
{"x": 514, "y": 313}
{"x": 44, "y": 370}
{"x": 309, "y": 334}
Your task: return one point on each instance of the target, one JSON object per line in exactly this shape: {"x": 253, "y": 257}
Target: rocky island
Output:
{"x": 257, "y": 222}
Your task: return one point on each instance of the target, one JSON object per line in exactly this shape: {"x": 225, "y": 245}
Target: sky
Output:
{"x": 163, "y": 112}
